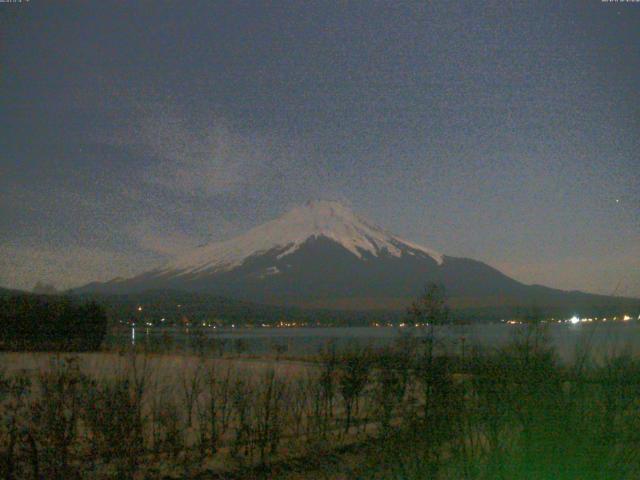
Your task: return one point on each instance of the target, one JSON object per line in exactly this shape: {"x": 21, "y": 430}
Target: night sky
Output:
{"x": 507, "y": 132}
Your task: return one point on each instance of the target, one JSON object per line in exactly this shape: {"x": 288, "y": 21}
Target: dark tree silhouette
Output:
{"x": 430, "y": 308}
{"x": 36, "y": 322}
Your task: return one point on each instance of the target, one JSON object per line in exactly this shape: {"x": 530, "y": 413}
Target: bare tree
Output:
{"x": 353, "y": 374}
{"x": 430, "y": 308}
{"x": 191, "y": 383}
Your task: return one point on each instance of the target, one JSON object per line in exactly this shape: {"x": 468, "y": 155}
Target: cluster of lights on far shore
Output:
{"x": 280, "y": 324}
{"x": 575, "y": 320}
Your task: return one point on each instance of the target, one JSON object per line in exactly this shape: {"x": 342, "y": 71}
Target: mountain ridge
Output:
{"x": 322, "y": 254}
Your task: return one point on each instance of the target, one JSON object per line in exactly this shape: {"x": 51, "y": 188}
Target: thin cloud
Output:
{"x": 200, "y": 159}
{"x": 164, "y": 241}
{"x": 66, "y": 267}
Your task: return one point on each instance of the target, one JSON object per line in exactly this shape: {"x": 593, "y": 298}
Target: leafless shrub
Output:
{"x": 391, "y": 379}
{"x": 300, "y": 394}
{"x": 218, "y": 346}
{"x": 15, "y": 428}
{"x": 353, "y": 369}
{"x": 326, "y": 391}
{"x": 109, "y": 414}
{"x": 270, "y": 414}
{"x": 313, "y": 406}
{"x": 243, "y": 403}
{"x": 214, "y": 411}
{"x": 279, "y": 349}
{"x": 241, "y": 346}
{"x": 171, "y": 429}
{"x": 55, "y": 416}
{"x": 191, "y": 387}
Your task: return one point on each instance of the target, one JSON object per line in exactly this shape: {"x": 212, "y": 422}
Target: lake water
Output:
{"x": 600, "y": 338}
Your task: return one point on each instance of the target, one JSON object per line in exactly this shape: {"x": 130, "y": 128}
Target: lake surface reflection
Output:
{"x": 600, "y": 338}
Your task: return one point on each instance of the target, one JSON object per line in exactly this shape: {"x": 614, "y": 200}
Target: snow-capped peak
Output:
{"x": 287, "y": 233}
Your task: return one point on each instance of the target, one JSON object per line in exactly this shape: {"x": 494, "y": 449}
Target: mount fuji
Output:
{"x": 323, "y": 255}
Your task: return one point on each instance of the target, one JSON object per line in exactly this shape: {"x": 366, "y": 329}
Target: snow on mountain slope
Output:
{"x": 287, "y": 233}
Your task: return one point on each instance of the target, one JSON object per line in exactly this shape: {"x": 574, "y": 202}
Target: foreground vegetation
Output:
{"x": 412, "y": 410}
